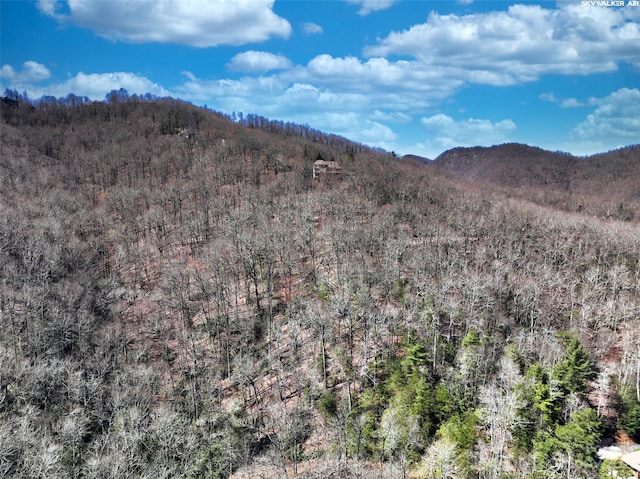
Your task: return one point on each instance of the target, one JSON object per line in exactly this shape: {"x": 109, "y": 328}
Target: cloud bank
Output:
{"x": 310, "y": 28}
{"x": 197, "y": 23}
{"x": 368, "y": 6}
{"x": 444, "y": 132}
{"x": 258, "y": 62}
{"x": 520, "y": 44}
{"x": 31, "y": 72}
{"x": 92, "y": 85}
{"x": 616, "y": 118}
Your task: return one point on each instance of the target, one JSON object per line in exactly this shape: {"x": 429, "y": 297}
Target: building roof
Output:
{"x": 632, "y": 460}
{"x": 329, "y": 164}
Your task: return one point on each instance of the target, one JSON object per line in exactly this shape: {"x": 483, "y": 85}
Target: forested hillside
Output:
{"x": 604, "y": 185}
{"x": 180, "y": 297}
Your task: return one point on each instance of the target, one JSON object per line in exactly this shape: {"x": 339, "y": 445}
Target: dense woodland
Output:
{"x": 179, "y": 297}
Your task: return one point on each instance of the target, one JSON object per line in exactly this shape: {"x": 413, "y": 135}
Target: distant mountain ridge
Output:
{"x": 512, "y": 164}
{"x": 614, "y": 175}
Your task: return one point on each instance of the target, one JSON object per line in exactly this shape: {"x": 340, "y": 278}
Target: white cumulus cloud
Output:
{"x": 97, "y": 85}
{"x": 258, "y": 62}
{"x": 368, "y": 6}
{"x": 310, "y": 28}
{"x": 548, "y": 96}
{"x": 564, "y": 103}
{"x": 396, "y": 84}
{"x": 31, "y": 72}
{"x": 275, "y": 96}
{"x": 444, "y": 132}
{"x": 198, "y": 23}
{"x": 519, "y": 44}
{"x": 394, "y": 117}
{"x": 571, "y": 103}
{"x": 615, "y": 122}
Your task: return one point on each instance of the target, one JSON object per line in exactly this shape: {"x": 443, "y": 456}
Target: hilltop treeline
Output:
{"x": 181, "y": 298}
{"x": 62, "y": 105}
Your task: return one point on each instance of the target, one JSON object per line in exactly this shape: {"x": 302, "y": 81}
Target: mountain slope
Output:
{"x": 600, "y": 184}
{"x": 180, "y": 297}
{"x": 513, "y": 165}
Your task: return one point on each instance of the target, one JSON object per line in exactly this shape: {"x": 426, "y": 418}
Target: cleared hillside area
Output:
{"x": 179, "y": 297}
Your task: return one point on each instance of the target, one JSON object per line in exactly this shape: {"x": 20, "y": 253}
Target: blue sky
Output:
{"x": 412, "y": 76}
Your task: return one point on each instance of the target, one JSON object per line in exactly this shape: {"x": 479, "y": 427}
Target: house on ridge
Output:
{"x": 325, "y": 168}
